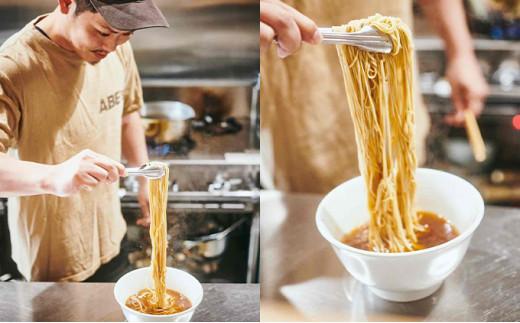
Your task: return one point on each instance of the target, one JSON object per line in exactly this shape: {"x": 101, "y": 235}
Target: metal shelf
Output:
{"x": 494, "y": 93}
{"x": 147, "y": 82}
{"x": 481, "y": 44}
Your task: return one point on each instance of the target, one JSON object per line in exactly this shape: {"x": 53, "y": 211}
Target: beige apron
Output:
{"x": 307, "y": 136}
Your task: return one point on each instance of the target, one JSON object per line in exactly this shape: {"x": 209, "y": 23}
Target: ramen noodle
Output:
{"x": 158, "y": 300}
{"x": 380, "y": 97}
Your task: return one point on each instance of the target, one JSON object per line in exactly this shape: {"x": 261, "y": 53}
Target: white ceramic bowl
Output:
{"x": 176, "y": 280}
{"x": 409, "y": 276}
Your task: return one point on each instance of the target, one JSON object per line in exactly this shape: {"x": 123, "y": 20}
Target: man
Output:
{"x": 307, "y": 137}
{"x": 69, "y": 99}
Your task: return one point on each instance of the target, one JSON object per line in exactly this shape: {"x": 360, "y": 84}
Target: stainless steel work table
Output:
{"x": 303, "y": 280}
{"x": 21, "y": 301}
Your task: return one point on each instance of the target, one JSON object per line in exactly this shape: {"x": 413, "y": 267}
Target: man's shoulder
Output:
{"x": 18, "y": 51}
{"x": 125, "y": 48}
{"x": 125, "y": 53}
{"x": 19, "y": 42}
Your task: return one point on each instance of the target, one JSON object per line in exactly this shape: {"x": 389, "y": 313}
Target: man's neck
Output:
{"x": 56, "y": 28}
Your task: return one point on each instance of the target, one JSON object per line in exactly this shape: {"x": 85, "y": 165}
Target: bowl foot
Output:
{"x": 407, "y": 296}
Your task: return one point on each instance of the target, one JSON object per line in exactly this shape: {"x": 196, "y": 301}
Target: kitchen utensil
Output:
{"x": 407, "y": 276}
{"x": 147, "y": 170}
{"x": 474, "y": 136}
{"x": 367, "y": 39}
{"x": 212, "y": 245}
{"x": 167, "y": 121}
{"x": 457, "y": 152}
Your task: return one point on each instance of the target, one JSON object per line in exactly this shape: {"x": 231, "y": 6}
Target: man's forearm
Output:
{"x": 22, "y": 178}
{"x": 447, "y": 16}
{"x": 133, "y": 140}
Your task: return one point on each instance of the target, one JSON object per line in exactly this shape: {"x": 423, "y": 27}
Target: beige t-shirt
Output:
{"x": 52, "y": 106}
{"x": 307, "y": 136}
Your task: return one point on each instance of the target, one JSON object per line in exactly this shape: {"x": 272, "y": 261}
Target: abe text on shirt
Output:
{"x": 111, "y": 101}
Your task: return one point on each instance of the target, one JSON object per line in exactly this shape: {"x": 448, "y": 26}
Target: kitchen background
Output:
{"x": 201, "y": 117}
{"x": 495, "y": 26}
{"x": 210, "y": 63}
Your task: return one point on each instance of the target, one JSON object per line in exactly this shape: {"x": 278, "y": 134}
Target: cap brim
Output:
{"x": 131, "y": 15}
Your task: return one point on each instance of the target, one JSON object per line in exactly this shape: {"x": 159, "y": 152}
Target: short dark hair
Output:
{"x": 84, "y": 5}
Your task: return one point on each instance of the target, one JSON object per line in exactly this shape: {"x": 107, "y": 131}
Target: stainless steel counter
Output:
{"x": 95, "y": 302}
{"x": 303, "y": 280}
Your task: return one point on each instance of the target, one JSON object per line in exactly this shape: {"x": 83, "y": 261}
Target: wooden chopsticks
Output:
{"x": 474, "y": 136}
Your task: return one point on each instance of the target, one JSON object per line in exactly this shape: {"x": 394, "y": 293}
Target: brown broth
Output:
{"x": 438, "y": 230}
{"x": 145, "y": 302}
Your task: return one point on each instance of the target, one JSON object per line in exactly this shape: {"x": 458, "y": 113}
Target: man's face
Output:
{"x": 92, "y": 37}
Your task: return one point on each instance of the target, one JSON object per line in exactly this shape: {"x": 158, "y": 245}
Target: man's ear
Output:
{"x": 65, "y": 6}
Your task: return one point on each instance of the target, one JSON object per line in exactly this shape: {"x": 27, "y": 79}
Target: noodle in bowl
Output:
{"x": 406, "y": 276}
{"x": 176, "y": 280}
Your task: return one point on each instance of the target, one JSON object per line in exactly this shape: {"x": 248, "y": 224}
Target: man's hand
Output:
{"x": 468, "y": 87}
{"x": 83, "y": 171}
{"x": 280, "y": 22}
{"x": 144, "y": 202}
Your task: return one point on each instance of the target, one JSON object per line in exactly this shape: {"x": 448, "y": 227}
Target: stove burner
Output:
{"x": 180, "y": 148}
{"x": 213, "y": 127}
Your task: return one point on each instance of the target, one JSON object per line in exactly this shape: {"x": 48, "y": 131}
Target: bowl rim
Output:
{"x": 453, "y": 242}
{"x": 191, "y": 309}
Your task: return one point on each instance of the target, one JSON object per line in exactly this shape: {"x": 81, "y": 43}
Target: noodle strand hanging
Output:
{"x": 380, "y": 97}
{"x": 160, "y": 301}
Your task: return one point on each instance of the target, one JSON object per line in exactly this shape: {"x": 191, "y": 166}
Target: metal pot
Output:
{"x": 458, "y": 151}
{"x": 167, "y": 122}
{"x": 212, "y": 245}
